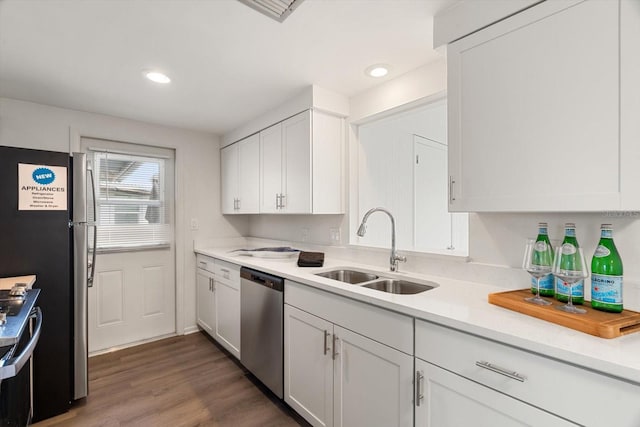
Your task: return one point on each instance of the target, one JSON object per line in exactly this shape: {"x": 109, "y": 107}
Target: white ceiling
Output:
{"x": 228, "y": 63}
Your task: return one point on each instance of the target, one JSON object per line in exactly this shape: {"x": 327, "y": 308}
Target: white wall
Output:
{"x": 30, "y": 125}
{"x": 495, "y": 240}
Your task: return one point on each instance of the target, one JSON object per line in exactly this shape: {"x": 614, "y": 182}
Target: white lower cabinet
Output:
{"x": 337, "y": 377}
{"x": 449, "y": 400}
{"x": 308, "y": 367}
{"x": 218, "y": 301}
{"x": 205, "y": 308}
{"x": 227, "y": 313}
{"x": 470, "y": 380}
{"x": 372, "y": 383}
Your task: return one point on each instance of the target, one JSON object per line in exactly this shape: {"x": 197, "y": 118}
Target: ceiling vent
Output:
{"x": 276, "y": 9}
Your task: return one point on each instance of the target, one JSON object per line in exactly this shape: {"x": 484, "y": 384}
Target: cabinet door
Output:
{"x": 373, "y": 383}
{"x": 227, "y": 312}
{"x": 449, "y": 400}
{"x": 534, "y": 114}
{"x": 270, "y": 168}
{"x": 249, "y": 175}
{"x": 308, "y": 366}
{"x": 229, "y": 178}
{"x": 296, "y": 143}
{"x": 205, "y": 304}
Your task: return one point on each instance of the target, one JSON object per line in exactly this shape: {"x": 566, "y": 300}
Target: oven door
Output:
{"x": 16, "y": 386}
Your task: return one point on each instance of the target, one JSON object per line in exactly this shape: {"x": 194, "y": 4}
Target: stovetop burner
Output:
{"x": 10, "y": 304}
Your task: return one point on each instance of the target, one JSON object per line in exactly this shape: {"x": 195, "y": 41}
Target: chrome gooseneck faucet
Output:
{"x": 394, "y": 258}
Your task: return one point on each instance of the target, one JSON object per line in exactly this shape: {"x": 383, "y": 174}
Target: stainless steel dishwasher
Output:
{"x": 261, "y": 327}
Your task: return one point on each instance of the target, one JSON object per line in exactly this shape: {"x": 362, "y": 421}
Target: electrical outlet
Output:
{"x": 335, "y": 235}
{"x": 195, "y": 224}
{"x": 304, "y": 234}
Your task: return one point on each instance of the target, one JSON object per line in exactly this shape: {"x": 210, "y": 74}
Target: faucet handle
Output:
{"x": 401, "y": 258}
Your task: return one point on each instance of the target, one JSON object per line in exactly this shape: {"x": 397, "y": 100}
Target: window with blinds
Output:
{"x": 133, "y": 207}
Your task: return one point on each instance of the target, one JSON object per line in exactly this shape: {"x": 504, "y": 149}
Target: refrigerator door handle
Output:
{"x": 92, "y": 263}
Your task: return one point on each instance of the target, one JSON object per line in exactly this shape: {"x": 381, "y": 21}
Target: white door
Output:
{"x": 249, "y": 175}
{"x": 453, "y": 401}
{"x": 270, "y": 168}
{"x": 432, "y": 228}
{"x": 133, "y": 296}
{"x": 373, "y": 383}
{"x": 229, "y": 178}
{"x": 296, "y": 143}
{"x": 308, "y": 366}
{"x": 205, "y": 307}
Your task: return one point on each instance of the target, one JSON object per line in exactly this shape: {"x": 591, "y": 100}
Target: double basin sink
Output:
{"x": 373, "y": 281}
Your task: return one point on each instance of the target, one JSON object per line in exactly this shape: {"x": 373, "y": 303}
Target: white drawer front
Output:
{"x": 228, "y": 273}
{"x": 205, "y": 263}
{"x": 574, "y": 393}
{"x": 384, "y": 326}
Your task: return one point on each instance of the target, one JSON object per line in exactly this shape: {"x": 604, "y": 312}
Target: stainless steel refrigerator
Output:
{"x": 53, "y": 244}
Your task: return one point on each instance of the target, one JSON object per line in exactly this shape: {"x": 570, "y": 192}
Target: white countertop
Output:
{"x": 464, "y": 306}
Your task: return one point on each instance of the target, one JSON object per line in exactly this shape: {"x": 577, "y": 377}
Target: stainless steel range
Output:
{"x": 18, "y": 338}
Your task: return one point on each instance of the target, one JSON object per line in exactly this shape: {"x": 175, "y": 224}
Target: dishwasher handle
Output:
{"x": 258, "y": 277}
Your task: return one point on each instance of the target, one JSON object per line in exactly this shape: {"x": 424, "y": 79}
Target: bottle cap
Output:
{"x": 542, "y": 224}
{"x": 569, "y": 225}
{"x": 606, "y": 227}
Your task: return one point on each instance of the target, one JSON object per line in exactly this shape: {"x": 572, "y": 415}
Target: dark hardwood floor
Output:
{"x": 179, "y": 381}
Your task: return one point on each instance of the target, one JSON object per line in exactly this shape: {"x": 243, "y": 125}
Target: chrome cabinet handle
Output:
{"x": 335, "y": 347}
{"x": 202, "y": 264}
{"x": 238, "y": 203}
{"x": 282, "y": 199}
{"x": 419, "y": 387}
{"x": 498, "y": 370}
{"x": 326, "y": 335}
{"x": 277, "y": 201}
{"x": 452, "y": 181}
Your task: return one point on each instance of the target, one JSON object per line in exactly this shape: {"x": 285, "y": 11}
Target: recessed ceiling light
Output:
{"x": 157, "y": 77}
{"x": 378, "y": 70}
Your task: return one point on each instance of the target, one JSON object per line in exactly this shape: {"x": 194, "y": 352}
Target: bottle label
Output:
{"x": 577, "y": 290}
{"x": 546, "y": 283}
{"x": 606, "y": 289}
{"x": 570, "y": 232}
{"x": 601, "y": 251}
{"x": 540, "y": 246}
{"x": 568, "y": 249}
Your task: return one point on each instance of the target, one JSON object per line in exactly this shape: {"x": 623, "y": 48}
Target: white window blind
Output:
{"x": 133, "y": 200}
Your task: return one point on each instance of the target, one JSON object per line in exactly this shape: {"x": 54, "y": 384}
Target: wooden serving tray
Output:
{"x": 594, "y": 322}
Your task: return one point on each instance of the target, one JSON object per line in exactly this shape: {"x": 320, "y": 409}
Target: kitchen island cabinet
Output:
{"x": 335, "y": 376}
{"x": 537, "y": 122}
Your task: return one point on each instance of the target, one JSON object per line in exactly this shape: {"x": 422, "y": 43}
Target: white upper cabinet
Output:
{"x": 240, "y": 173}
{"x": 301, "y": 165}
{"x": 538, "y": 115}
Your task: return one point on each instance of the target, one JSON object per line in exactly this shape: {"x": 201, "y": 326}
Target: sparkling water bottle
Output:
{"x": 543, "y": 256}
{"x": 606, "y": 274}
{"x": 569, "y": 246}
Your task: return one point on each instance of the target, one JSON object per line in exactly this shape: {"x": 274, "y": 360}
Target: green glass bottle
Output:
{"x": 543, "y": 255}
{"x": 569, "y": 245}
{"x": 606, "y": 274}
